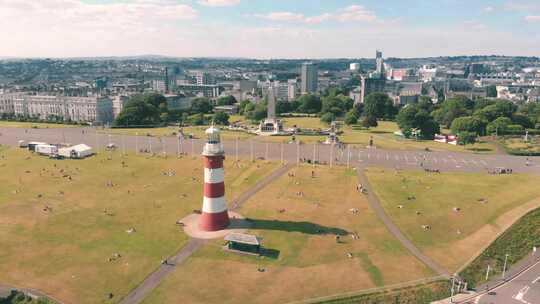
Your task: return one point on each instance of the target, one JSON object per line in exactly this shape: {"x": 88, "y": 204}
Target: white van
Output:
{"x": 46, "y": 149}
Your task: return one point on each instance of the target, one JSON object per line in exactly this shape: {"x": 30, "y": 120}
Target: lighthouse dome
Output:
{"x": 213, "y": 135}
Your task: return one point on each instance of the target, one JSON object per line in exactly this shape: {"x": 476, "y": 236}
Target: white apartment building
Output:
{"x": 7, "y": 103}
{"x": 78, "y": 109}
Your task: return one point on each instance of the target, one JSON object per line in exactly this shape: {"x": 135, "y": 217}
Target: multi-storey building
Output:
{"x": 371, "y": 85}
{"x": 78, "y": 109}
{"x": 7, "y": 103}
{"x": 309, "y": 78}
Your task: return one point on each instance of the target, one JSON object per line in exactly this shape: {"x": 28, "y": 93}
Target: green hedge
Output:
{"x": 517, "y": 241}
{"x": 421, "y": 294}
{"x": 17, "y": 297}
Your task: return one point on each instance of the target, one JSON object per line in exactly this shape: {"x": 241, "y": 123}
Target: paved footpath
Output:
{"x": 375, "y": 204}
{"x": 138, "y": 294}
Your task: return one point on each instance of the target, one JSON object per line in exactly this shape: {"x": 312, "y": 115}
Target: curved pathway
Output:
{"x": 375, "y": 204}
{"x": 138, "y": 294}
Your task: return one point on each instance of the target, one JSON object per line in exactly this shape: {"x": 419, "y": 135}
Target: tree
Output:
{"x": 351, "y": 118}
{"x": 501, "y": 108}
{"x": 522, "y": 120}
{"x": 413, "y": 117}
{"x": 379, "y": 105}
{"x": 197, "y": 119}
{"x": 336, "y": 104}
{"x": 491, "y": 91}
{"x": 499, "y": 126}
{"x": 309, "y": 104}
{"x": 141, "y": 110}
{"x": 452, "y": 109}
{"x": 226, "y": 100}
{"x": 221, "y": 118}
{"x": 242, "y": 106}
{"x": 369, "y": 121}
{"x": 468, "y": 124}
{"x": 201, "y": 105}
{"x": 256, "y": 112}
{"x": 328, "y": 117}
{"x": 283, "y": 107}
{"x": 465, "y": 137}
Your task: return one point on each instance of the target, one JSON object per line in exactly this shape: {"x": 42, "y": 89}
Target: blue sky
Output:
{"x": 269, "y": 28}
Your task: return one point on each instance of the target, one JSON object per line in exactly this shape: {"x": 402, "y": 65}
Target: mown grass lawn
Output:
{"x": 61, "y": 221}
{"x": 303, "y": 260}
{"x": 455, "y": 236}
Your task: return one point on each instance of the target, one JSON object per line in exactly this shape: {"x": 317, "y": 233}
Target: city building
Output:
{"x": 119, "y": 101}
{"x": 177, "y": 102}
{"x": 210, "y": 91}
{"x": 97, "y": 110}
{"x": 354, "y": 67}
{"x": 7, "y": 103}
{"x": 309, "y": 78}
{"x": 203, "y": 78}
{"x": 292, "y": 89}
{"x": 380, "y": 63}
{"x": 356, "y": 95}
{"x": 409, "y": 93}
{"x": 371, "y": 85}
{"x": 159, "y": 85}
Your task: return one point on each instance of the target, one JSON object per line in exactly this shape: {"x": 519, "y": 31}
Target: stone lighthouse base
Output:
{"x": 191, "y": 227}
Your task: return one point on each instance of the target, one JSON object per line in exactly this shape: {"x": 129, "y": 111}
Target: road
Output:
{"x": 446, "y": 161}
{"x": 522, "y": 289}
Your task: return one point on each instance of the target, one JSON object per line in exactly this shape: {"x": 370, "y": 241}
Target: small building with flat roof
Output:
{"x": 243, "y": 243}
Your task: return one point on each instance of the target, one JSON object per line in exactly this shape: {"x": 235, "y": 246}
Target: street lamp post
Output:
{"x": 282, "y": 153}
{"x": 348, "y": 156}
{"x": 331, "y": 155}
{"x": 452, "y": 290}
{"x": 504, "y": 267}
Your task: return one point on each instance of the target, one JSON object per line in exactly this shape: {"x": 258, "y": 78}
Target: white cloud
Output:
{"x": 522, "y": 6}
{"x": 217, "y": 3}
{"x": 282, "y": 16}
{"x": 72, "y": 27}
{"x": 353, "y": 13}
{"x": 68, "y": 28}
{"x": 531, "y": 18}
{"x": 488, "y": 9}
{"x": 473, "y": 24}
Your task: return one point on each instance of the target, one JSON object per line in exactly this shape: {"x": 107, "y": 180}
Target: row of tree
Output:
{"x": 149, "y": 110}
{"x": 468, "y": 118}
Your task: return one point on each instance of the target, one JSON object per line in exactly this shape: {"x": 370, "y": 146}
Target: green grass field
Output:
{"x": 383, "y": 137}
{"x": 518, "y": 145}
{"x": 196, "y": 131}
{"x": 303, "y": 259}
{"x": 462, "y": 233}
{"x": 60, "y": 221}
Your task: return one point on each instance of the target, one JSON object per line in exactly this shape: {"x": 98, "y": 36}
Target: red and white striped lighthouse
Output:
{"x": 214, "y": 215}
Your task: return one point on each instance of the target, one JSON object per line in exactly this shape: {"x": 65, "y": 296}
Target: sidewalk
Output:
{"x": 455, "y": 299}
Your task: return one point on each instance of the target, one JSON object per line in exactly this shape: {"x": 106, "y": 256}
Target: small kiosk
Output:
{"x": 243, "y": 243}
